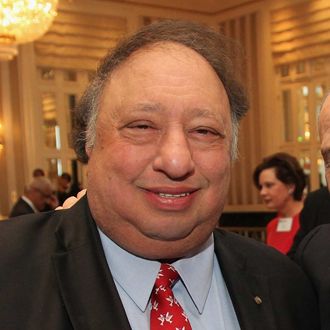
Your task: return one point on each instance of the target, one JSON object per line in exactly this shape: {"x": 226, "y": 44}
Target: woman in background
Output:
{"x": 281, "y": 182}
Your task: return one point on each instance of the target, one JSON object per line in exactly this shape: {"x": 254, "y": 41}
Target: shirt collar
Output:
{"x": 136, "y": 275}
{"x": 28, "y": 201}
{"x": 196, "y": 273}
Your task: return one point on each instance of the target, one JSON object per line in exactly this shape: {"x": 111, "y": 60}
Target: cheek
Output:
{"x": 277, "y": 191}
{"x": 214, "y": 167}
{"x": 214, "y": 164}
{"x": 121, "y": 160}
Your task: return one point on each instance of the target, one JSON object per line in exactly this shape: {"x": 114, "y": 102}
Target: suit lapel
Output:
{"x": 249, "y": 291}
{"x": 85, "y": 282}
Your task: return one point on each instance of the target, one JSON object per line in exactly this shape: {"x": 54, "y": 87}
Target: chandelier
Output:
{"x": 23, "y": 21}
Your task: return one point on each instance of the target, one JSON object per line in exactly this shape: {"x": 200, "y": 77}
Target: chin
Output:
{"x": 172, "y": 248}
{"x": 165, "y": 253}
{"x": 167, "y": 236}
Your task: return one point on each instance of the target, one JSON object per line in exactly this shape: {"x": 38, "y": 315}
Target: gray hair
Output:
{"x": 218, "y": 50}
{"x": 40, "y": 183}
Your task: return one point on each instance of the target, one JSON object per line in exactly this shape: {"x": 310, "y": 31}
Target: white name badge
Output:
{"x": 284, "y": 224}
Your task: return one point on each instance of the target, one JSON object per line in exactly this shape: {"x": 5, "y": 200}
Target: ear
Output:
{"x": 291, "y": 188}
{"x": 88, "y": 151}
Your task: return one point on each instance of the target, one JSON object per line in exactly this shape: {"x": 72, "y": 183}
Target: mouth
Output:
{"x": 175, "y": 199}
{"x": 166, "y": 195}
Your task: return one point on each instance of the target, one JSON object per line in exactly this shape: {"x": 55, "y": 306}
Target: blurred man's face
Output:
{"x": 40, "y": 198}
{"x": 63, "y": 183}
{"x": 158, "y": 174}
{"x": 324, "y": 128}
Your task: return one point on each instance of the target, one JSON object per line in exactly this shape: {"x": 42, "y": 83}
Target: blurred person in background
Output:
{"x": 38, "y": 196}
{"x": 281, "y": 182}
{"x": 63, "y": 187}
{"x": 38, "y": 172}
{"x": 313, "y": 253}
{"x": 316, "y": 212}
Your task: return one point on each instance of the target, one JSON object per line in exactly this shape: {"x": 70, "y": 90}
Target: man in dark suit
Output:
{"x": 313, "y": 253}
{"x": 316, "y": 212}
{"x": 157, "y": 127}
{"x": 38, "y": 195}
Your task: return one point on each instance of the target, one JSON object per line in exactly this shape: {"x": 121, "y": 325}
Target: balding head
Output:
{"x": 324, "y": 129}
{"x": 39, "y": 191}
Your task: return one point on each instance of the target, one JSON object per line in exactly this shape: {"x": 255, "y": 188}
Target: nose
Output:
{"x": 174, "y": 156}
{"x": 262, "y": 191}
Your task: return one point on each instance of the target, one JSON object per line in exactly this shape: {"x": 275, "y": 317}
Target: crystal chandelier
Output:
{"x": 23, "y": 21}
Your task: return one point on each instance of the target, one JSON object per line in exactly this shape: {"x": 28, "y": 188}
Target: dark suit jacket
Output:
{"x": 314, "y": 257}
{"x": 20, "y": 207}
{"x": 316, "y": 212}
{"x": 54, "y": 276}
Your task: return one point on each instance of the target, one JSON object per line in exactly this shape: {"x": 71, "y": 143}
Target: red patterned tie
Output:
{"x": 166, "y": 312}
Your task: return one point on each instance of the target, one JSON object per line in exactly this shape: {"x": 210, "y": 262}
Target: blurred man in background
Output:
{"x": 38, "y": 196}
{"x": 63, "y": 187}
{"x": 313, "y": 253}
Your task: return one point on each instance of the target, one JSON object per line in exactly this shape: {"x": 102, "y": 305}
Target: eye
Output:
{"x": 140, "y": 131}
{"x": 140, "y": 125}
{"x": 206, "y": 133}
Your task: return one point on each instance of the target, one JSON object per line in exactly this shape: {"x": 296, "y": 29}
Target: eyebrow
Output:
{"x": 205, "y": 113}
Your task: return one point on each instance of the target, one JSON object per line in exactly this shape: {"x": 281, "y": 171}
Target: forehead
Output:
{"x": 165, "y": 52}
{"x": 268, "y": 174}
{"x": 170, "y": 71}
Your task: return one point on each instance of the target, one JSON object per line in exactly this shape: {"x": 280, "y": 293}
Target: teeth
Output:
{"x": 173, "y": 196}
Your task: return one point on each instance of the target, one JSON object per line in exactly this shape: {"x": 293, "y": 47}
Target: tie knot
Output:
{"x": 167, "y": 276}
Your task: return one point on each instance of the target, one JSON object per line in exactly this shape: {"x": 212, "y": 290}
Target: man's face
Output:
{"x": 40, "y": 197}
{"x": 158, "y": 174}
{"x": 63, "y": 183}
{"x": 324, "y": 128}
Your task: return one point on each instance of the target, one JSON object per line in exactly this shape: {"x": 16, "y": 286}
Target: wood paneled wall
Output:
{"x": 78, "y": 40}
{"x": 301, "y": 31}
{"x": 242, "y": 192}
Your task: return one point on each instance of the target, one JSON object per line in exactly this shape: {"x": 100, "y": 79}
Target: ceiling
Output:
{"x": 200, "y": 6}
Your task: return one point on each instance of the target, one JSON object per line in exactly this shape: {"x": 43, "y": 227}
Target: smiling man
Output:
{"x": 158, "y": 130}
{"x": 313, "y": 253}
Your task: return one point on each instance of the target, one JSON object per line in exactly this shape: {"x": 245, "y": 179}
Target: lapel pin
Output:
{"x": 258, "y": 300}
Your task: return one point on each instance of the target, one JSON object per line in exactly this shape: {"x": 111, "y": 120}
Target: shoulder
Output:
{"x": 20, "y": 207}
{"x": 315, "y": 247}
{"x": 272, "y": 223}
{"x": 318, "y": 196}
{"x": 27, "y": 230}
{"x": 43, "y": 231}
{"x": 256, "y": 255}
{"x": 313, "y": 256}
